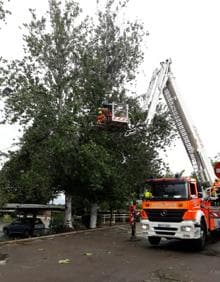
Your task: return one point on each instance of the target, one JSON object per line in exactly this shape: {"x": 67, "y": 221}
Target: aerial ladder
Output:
{"x": 176, "y": 207}
{"x": 163, "y": 83}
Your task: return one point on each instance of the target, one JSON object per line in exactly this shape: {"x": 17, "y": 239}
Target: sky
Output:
{"x": 185, "y": 31}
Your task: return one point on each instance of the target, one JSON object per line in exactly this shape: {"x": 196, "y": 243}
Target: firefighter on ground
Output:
{"x": 133, "y": 217}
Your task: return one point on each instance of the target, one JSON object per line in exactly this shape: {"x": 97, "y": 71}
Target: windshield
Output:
{"x": 166, "y": 191}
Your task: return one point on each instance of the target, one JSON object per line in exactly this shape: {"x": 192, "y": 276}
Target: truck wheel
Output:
{"x": 201, "y": 242}
{"x": 153, "y": 240}
{"x": 214, "y": 235}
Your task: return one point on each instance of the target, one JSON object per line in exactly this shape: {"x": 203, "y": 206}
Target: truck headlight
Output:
{"x": 145, "y": 226}
{"x": 186, "y": 228}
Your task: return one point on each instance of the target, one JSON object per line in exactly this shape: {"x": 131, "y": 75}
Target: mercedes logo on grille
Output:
{"x": 163, "y": 213}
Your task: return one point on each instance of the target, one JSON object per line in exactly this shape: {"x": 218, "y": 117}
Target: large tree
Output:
{"x": 42, "y": 90}
{"x": 70, "y": 66}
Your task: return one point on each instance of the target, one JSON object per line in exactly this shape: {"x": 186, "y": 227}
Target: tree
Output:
{"x": 109, "y": 63}
{"x": 23, "y": 181}
{"x": 44, "y": 95}
{"x": 70, "y": 66}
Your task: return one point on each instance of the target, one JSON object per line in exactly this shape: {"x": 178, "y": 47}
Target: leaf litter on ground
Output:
{"x": 64, "y": 261}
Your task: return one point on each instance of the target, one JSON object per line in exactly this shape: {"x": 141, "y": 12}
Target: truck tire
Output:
{"x": 201, "y": 242}
{"x": 214, "y": 236}
{"x": 153, "y": 240}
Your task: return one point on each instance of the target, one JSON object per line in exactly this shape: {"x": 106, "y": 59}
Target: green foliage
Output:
{"x": 7, "y": 218}
{"x": 111, "y": 56}
{"x": 26, "y": 180}
{"x": 3, "y": 11}
{"x": 70, "y": 66}
{"x": 44, "y": 98}
{"x": 95, "y": 165}
{"x": 56, "y": 223}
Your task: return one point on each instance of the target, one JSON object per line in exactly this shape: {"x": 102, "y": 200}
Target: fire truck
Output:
{"x": 178, "y": 208}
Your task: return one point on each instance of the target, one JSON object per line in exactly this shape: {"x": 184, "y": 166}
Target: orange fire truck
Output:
{"x": 179, "y": 207}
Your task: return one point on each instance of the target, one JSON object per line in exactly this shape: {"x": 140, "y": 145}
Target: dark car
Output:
{"x": 25, "y": 227}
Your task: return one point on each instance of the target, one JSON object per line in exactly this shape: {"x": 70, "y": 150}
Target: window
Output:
{"x": 169, "y": 190}
{"x": 193, "y": 189}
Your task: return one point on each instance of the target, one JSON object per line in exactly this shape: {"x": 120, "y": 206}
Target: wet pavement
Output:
{"x": 107, "y": 255}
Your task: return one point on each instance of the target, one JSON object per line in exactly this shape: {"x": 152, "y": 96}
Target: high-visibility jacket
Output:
{"x": 147, "y": 194}
{"x": 101, "y": 118}
{"x": 133, "y": 214}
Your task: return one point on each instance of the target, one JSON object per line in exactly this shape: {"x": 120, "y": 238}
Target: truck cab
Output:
{"x": 172, "y": 209}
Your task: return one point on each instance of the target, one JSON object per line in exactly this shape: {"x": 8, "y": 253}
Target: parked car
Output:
{"x": 25, "y": 227}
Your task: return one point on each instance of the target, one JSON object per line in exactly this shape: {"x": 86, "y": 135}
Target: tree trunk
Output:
{"x": 68, "y": 211}
{"x": 93, "y": 215}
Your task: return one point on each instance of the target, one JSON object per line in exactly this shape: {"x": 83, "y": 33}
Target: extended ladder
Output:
{"x": 164, "y": 83}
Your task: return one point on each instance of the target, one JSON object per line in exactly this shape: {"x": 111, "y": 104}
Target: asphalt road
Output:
{"x": 107, "y": 255}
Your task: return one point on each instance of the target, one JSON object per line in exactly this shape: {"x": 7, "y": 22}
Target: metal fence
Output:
{"x": 114, "y": 218}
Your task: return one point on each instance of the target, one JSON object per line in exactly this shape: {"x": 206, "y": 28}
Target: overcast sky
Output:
{"x": 186, "y": 31}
